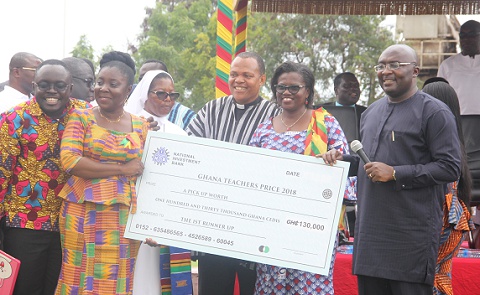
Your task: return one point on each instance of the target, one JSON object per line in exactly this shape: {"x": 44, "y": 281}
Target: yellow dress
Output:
{"x": 97, "y": 259}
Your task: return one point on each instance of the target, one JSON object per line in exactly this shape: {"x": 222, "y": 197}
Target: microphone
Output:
{"x": 357, "y": 147}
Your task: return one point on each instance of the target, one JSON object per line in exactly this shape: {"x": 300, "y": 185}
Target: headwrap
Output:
{"x": 136, "y": 101}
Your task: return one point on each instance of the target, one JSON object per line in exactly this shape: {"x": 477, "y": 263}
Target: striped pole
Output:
{"x": 224, "y": 46}
{"x": 241, "y": 26}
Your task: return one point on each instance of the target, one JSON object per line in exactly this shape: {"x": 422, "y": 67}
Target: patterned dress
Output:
{"x": 277, "y": 280}
{"x": 97, "y": 259}
{"x": 456, "y": 223}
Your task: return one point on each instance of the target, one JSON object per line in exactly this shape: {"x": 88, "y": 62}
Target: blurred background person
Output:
{"x": 153, "y": 266}
{"x": 463, "y": 69}
{"x": 83, "y": 78}
{"x": 301, "y": 130}
{"x": 102, "y": 150}
{"x": 456, "y": 214}
{"x": 22, "y": 69}
{"x": 347, "y": 93}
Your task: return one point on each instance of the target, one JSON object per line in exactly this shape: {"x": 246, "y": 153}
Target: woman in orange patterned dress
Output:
{"x": 102, "y": 149}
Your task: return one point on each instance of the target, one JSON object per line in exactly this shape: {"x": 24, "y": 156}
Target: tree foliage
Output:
{"x": 329, "y": 45}
{"x": 83, "y": 49}
{"x": 182, "y": 33}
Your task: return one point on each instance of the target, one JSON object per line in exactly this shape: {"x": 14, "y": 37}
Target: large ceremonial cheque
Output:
{"x": 239, "y": 201}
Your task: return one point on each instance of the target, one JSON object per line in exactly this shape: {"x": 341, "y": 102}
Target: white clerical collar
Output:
{"x": 342, "y": 105}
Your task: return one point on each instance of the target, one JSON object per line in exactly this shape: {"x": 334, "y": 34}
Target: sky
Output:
{"x": 52, "y": 28}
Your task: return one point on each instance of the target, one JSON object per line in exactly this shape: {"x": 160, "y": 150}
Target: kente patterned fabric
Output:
{"x": 30, "y": 172}
{"x": 86, "y": 139}
{"x": 316, "y": 141}
{"x": 96, "y": 258}
{"x": 456, "y": 222}
{"x": 175, "y": 271}
{"x": 286, "y": 281}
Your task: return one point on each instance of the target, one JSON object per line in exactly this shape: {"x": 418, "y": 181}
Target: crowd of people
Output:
{"x": 71, "y": 144}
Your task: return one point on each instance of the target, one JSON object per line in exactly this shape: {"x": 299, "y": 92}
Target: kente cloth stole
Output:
{"x": 175, "y": 271}
{"x": 316, "y": 140}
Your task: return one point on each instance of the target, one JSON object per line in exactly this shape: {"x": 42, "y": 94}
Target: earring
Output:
{"x": 306, "y": 101}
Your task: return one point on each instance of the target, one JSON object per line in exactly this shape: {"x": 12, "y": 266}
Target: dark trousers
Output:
{"x": 378, "y": 286}
{"x": 40, "y": 255}
{"x": 216, "y": 275}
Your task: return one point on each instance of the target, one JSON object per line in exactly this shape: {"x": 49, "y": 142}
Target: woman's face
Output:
{"x": 112, "y": 89}
{"x": 287, "y": 100}
{"x": 155, "y": 105}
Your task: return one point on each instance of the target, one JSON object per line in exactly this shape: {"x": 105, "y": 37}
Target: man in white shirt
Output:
{"x": 22, "y": 71}
{"x": 462, "y": 70}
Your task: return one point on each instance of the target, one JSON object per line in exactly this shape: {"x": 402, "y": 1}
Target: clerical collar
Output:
{"x": 342, "y": 105}
{"x": 240, "y": 109}
{"x": 245, "y": 106}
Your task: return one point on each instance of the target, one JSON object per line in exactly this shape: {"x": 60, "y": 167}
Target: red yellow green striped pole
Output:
{"x": 241, "y": 26}
{"x": 224, "y": 46}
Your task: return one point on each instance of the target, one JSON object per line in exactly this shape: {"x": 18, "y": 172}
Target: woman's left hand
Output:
{"x": 151, "y": 242}
{"x": 153, "y": 125}
{"x": 331, "y": 156}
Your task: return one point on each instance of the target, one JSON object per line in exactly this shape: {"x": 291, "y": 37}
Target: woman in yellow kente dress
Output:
{"x": 102, "y": 149}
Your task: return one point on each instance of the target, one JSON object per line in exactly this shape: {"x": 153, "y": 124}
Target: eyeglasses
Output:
{"x": 468, "y": 34}
{"x": 162, "y": 95}
{"x": 45, "y": 86}
{"x": 29, "y": 69}
{"x": 392, "y": 66}
{"x": 293, "y": 89}
{"x": 89, "y": 81}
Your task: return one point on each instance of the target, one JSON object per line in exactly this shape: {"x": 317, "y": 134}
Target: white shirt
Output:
{"x": 10, "y": 97}
{"x": 463, "y": 74}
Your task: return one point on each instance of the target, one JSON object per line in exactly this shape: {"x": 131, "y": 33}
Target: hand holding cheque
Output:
{"x": 239, "y": 201}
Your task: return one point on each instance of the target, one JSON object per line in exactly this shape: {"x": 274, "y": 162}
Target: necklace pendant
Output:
{"x": 288, "y": 128}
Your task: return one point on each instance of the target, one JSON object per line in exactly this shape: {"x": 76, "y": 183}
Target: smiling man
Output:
{"x": 347, "y": 94}
{"x": 232, "y": 118}
{"x": 31, "y": 178}
{"x": 412, "y": 142}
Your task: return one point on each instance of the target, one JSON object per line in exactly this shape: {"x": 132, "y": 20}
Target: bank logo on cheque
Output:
{"x": 160, "y": 156}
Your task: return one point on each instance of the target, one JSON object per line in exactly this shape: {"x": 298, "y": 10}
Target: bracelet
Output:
{"x": 394, "y": 178}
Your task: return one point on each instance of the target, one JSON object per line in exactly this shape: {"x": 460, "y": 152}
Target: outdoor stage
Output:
{"x": 464, "y": 274}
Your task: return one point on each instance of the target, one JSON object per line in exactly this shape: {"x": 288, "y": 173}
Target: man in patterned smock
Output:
{"x": 31, "y": 178}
